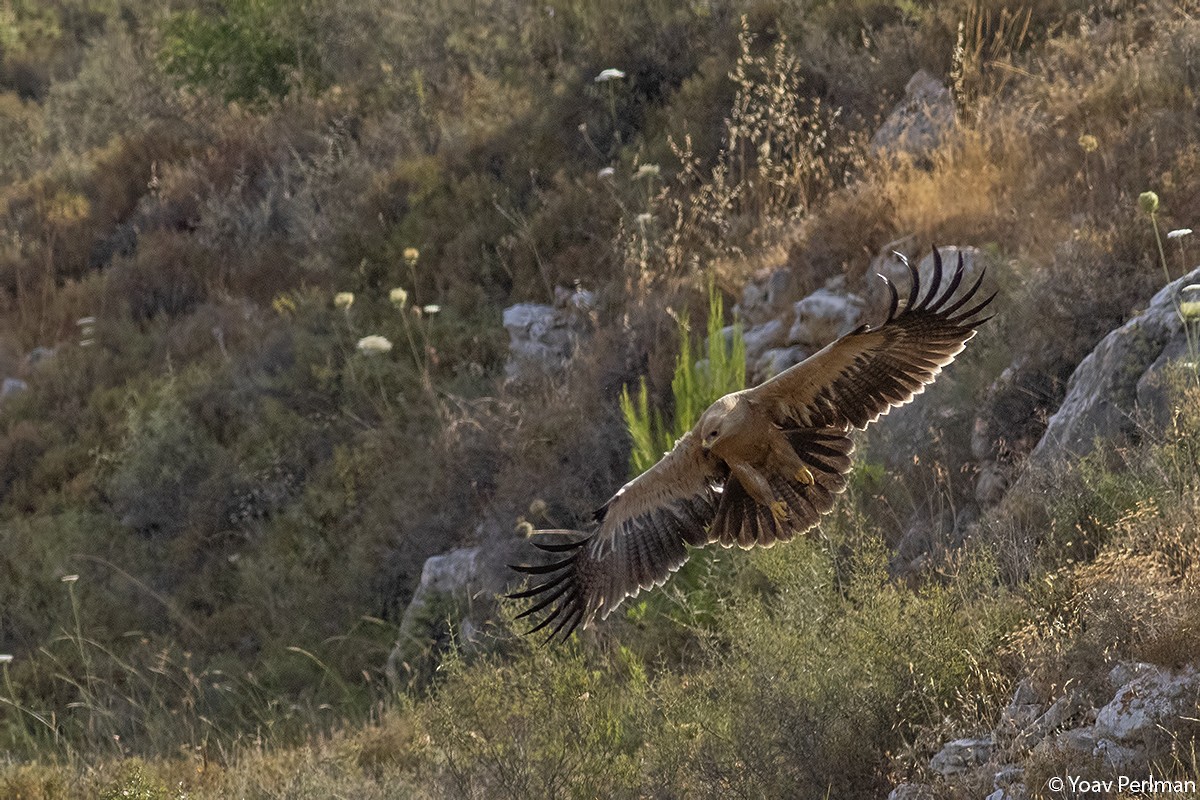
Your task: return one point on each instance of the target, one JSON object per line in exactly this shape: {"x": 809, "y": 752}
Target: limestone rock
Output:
{"x": 1149, "y": 705}
{"x": 770, "y": 335}
{"x": 822, "y": 317}
{"x": 1009, "y": 776}
{"x": 1125, "y": 671}
{"x": 459, "y": 587}
{"x": 544, "y": 337}
{"x": 767, "y": 294}
{"x": 1014, "y": 791}
{"x": 920, "y": 121}
{"x": 1116, "y": 755}
{"x": 12, "y": 386}
{"x": 1121, "y": 383}
{"x": 911, "y": 791}
{"x": 775, "y": 361}
{"x": 1022, "y": 711}
{"x": 961, "y": 755}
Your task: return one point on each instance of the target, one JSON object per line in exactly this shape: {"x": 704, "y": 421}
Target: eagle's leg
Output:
{"x": 788, "y": 463}
{"x": 759, "y": 488}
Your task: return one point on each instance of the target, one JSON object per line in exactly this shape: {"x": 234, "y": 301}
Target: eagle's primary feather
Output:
{"x": 762, "y": 465}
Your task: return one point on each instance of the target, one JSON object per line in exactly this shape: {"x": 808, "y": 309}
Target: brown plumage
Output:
{"x": 762, "y": 465}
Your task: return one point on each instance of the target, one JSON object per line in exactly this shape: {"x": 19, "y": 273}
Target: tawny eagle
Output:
{"x": 761, "y": 465}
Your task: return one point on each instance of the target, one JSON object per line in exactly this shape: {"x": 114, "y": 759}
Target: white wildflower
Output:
{"x": 69, "y": 578}
{"x": 343, "y": 300}
{"x": 646, "y": 171}
{"x": 399, "y": 297}
{"x": 431, "y": 309}
{"x": 606, "y": 173}
{"x": 374, "y": 345}
{"x": 609, "y": 74}
{"x": 1179, "y": 233}
{"x": 5, "y": 658}
{"x": 644, "y": 218}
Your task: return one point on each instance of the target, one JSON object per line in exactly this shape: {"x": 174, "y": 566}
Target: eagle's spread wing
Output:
{"x": 867, "y": 372}
{"x": 642, "y": 538}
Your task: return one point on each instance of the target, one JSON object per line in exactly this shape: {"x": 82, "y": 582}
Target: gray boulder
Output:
{"x": 961, "y": 755}
{"x": 769, "y": 335}
{"x": 12, "y": 386}
{"x": 1124, "y": 382}
{"x": 1139, "y": 724}
{"x": 911, "y": 791}
{"x": 775, "y": 361}
{"x": 1149, "y": 706}
{"x": 822, "y": 317}
{"x": 767, "y": 294}
{"x": 542, "y": 338}
{"x": 920, "y": 121}
{"x": 456, "y": 596}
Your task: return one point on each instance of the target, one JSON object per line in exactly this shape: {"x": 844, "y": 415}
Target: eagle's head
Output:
{"x": 721, "y": 416}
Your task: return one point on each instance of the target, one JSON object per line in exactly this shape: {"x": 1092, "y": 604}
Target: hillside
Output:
{"x": 310, "y": 312}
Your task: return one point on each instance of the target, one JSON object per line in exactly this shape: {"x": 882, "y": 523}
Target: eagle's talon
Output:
{"x": 805, "y": 476}
{"x": 780, "y": 511}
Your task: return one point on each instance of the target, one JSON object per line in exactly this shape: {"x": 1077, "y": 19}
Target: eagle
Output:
{"x": 761, "y": 465}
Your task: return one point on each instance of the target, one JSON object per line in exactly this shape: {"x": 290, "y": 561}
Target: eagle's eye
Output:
{"x": 711, "y": 435}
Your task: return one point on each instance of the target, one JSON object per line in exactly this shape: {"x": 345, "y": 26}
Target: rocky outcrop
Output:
{"x": 12, "y": 386}
{"x": 1130, "y": 732}
{"x": 920, "y": 122}
{"x": 22, "y": 368}
{"x": 911, "y": 791}
{"x": 822, "y": 317}
{"x": 766, "y": 296}
{"x": 456, "y": 596}
{"x": 1123, "y": 385}
{"x": 1145, "y": 709}
{"x": 962, "y": 755}
{"x": 780, "y": 330}
{"x": 542, "y": 338}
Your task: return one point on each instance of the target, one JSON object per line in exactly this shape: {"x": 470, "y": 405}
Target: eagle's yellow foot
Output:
{"x": 780, "y": 511}
{"x": 805, "y": 476}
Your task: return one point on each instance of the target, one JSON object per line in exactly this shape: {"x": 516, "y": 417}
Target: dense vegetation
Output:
{"x": 215, "y": 501}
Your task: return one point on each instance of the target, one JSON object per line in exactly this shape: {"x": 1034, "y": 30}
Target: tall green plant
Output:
{"x": 695, "y": 387}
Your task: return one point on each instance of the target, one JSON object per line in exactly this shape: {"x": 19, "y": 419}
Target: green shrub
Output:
{"x": 244, "y": 51}
{"x": 694, "y": 387}
{"x": 166, "y": 456}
